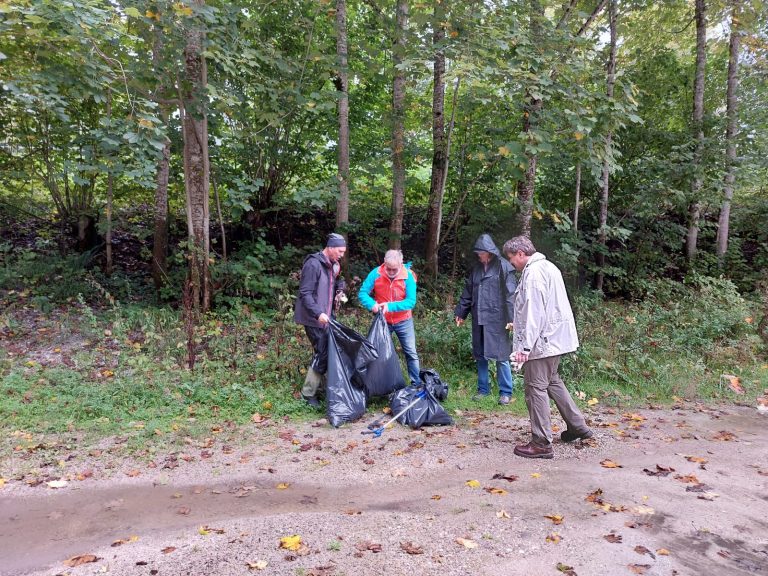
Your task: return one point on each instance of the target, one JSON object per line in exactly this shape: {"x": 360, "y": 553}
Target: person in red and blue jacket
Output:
{"x": 391, "y": 287}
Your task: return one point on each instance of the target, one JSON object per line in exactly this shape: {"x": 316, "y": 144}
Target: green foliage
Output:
{"x": 677, "y": 341}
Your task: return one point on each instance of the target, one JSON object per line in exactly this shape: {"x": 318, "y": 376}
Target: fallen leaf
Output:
{"x": 734, "y": 383}
{"x": 82, "y": 559}
{"x": 689, "y": 479}
{"x": 554, "y": 538}
{"x": 502, "y": 514}
{"x": 556, "y": 519}
{"x": 644, "y": 550}
{"x": 436, "y": 497}
{"x": 633, "y": 417}
{"x": 565, "y": 569}
{"x": 613, "y": 538}
{"x": 168, "y": 549}
{"x": 696, "y": 459}
{"x": 411, "y": 548}
{"x": 592, "y": 401}
{"x": 290, "y": 542}
{"x": 258, "y": 565}
{"x": 56, "y": 483}
{"x": 660, "y": 471}
{"x": 638, "y": 568}
{"x": 610, "y": 464}
{"x": 535, "y": 475}
{"x": 466, "y": 543}
{"x": 283, "y": 485}
{"x": 473, "y": 483}
{"x": 724, "y": 436}
{"x": 710, "y": 496}
{"x": 507, "y": 477}
{"x": 644, "y": 510}
{"x": 368, "y": 546}
{"x": 352, "y": 511}
{"x": 122, "y": 541}
{"x": 662, "y": 552}
{"x": 494, "y": 490}
{"x": 133, "y": 473}
{"x": 184, "y": 510}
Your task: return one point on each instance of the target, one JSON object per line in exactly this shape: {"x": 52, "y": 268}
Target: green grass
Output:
{"x": 131, "y": 378}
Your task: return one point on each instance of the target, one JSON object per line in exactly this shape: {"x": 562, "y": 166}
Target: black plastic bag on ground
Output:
{"x": 384, "y": 375}
{"x": 425, "y": 411}
{"x": 431, "y": 379}
{"x": 348, "y": 353}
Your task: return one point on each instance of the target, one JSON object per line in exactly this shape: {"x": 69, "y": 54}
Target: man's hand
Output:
{"x": 519, "y": 357}
{"x": 459, "y": 321}
{"x": 509, "y": 326}
{"x": 379, "y": 307}
{"x": 323, "y": 319}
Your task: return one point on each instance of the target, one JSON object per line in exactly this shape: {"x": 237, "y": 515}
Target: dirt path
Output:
{"x": 400, "y": 504}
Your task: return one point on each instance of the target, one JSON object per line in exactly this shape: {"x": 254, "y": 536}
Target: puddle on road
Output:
{"x": 37, "y": 531}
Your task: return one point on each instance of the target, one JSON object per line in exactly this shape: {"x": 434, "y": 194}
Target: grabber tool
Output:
{"x": 420, "y": 395}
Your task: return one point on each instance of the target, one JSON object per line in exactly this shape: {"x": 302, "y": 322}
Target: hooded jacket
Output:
{"x": 544, "y": 322}
{"x": 398, "y": 293}
{"x": 317, "y": 288}
{"x": 489, "y": 296}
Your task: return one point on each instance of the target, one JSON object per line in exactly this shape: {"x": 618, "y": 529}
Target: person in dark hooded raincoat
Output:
{"x": 489, "y": 295}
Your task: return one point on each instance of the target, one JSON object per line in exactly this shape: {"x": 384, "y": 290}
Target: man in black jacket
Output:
{"x": 489, "y": 295}
{"x": 319, "y": 288}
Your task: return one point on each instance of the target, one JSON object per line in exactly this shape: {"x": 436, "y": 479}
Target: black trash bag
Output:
{"x": 348, "y": 352}
{"x": 382, "y": 376}
{"x": 431, "y": 379}
{"x": 426, "y": 411}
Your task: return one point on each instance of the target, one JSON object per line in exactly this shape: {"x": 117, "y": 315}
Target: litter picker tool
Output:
{"x": 420, "y": 395}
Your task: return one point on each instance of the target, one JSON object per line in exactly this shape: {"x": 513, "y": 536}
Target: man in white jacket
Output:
{"x": 544, "y": 330}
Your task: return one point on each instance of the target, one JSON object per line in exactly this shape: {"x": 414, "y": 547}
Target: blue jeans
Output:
{"x": 503, "y": 375}
{"x": 406, "y": 333}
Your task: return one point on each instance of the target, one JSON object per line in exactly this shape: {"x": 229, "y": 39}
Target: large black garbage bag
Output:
{"x": 382, "y": 376}
{"x": 348, "y": 353}
{"x": 426, "y": 411}
{"x": 431, "y": 379}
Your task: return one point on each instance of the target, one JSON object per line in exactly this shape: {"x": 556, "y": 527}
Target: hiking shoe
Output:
{"x": 479, "y": 397}
{"x": 311, "y": 400}
{"x": 531, "y": 450}
{"x": 568, "y": 436}
{"x": 504, "y": 399}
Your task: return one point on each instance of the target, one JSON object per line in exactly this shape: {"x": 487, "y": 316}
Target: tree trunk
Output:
{"x": 605, "y": 188}
{"x": 196, "y": 165}
{"x": 694, "y": 207}
{"x": 398, "y": 128}
{"x": 160, "y": 242}
{"x": 732, "y": 113}
{"x": 342, "y": 205}
{"x": 110, "y": 198}
{"x": 526, "y": 187}
{"x": 439, "y": 157}
{"x": 577, "y": 200}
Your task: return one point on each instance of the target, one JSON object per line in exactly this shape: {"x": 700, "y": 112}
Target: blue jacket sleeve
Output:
{"x": 365, "y": 290}
{"x": 409, "y": 301}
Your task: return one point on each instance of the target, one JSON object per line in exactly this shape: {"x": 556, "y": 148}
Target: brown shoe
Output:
{"x": 531, "y": 450}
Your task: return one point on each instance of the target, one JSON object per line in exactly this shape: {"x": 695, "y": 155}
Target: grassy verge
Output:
{"x": 91, "y": 367}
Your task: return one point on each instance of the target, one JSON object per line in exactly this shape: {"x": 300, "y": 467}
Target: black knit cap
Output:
{"x": 335, "y": 241}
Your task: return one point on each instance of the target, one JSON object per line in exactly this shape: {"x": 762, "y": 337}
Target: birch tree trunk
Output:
{"x": 398, "y": 128}
{"x": 694, "y": 207}
{"x": 732, "y": 113}
{"x": 439, "y": 156}
{"x": 605, "y": 188}
{"x": 196, "y": 165}
{"x": 342, "y": 86}
{"x": 159, "y": 264}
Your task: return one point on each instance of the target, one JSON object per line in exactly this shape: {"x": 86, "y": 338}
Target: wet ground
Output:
{"x": 656, "y": 492}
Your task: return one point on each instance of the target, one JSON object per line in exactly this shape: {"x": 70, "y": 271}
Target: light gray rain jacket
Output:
{"x": 544, "y": 323}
